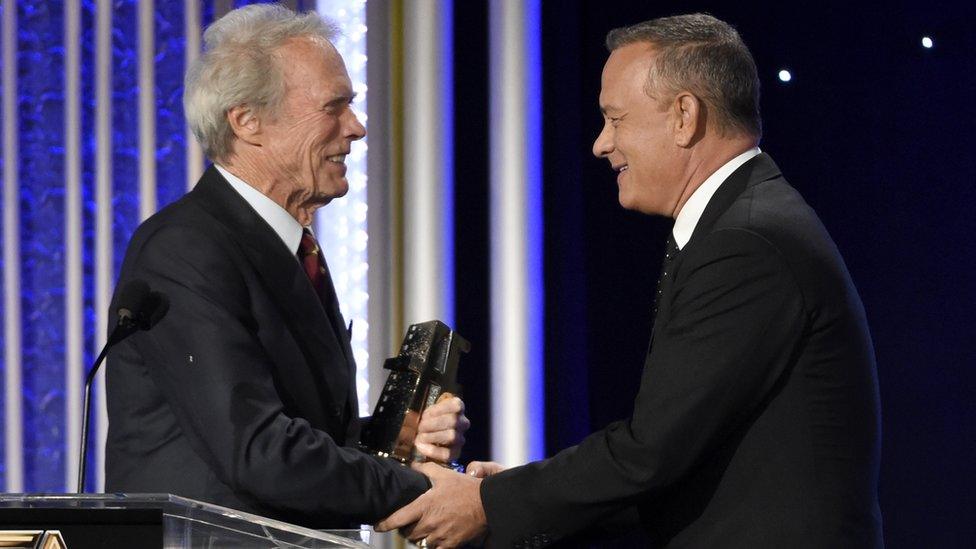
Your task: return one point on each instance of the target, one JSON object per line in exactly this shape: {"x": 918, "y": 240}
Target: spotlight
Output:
{"x": 927, "y": 42}
{"x": 785, "y": 76}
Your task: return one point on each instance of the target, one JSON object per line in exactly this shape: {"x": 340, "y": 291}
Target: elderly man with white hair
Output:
{"x": 244, "y": 394}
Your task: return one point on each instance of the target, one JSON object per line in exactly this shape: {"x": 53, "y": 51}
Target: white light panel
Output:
{"x": 341, "y": 225}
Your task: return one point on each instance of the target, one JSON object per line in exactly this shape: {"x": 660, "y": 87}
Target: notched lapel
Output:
{"x": 288, "y": 284}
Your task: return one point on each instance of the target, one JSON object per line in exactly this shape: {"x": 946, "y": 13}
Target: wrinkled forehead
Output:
{"x": 308, "y": 58}
{"x": 308, "y": 47}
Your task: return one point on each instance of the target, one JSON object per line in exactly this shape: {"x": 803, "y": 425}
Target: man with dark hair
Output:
{"x": 757, "y": 419}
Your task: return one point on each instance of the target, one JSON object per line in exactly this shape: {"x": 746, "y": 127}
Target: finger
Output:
{"x": 450, "y": 405}
{"x": 449, "y": 437}
{"x": 438, "y": 539}
{"x": 477, "y": 469}
{"x": 442, "y": 423}
{"x": 433, "y": 452}
{"x": 406, "y": 515}
{"x": 417, "y": 533}
{"x": 484, "y": 469}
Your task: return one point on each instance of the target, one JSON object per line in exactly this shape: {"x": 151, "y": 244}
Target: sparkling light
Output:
{"x": 785, "y": 76}
{"x": 341, "y": 226}
{"x": 927, "y": 42}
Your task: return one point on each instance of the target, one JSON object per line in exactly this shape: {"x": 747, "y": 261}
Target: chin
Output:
{"x": 341, "y": 188}
{"x": 626, "y": 202}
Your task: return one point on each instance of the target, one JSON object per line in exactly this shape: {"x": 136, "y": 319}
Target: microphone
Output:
{"x": 139, "y": 308}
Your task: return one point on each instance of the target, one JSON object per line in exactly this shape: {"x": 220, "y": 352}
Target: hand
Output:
{"x": 484, "y": 469}
{"x": 440, "y": 434}
{"x": 447, "y": 515}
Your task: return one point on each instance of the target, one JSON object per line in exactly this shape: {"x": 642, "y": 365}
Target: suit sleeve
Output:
{"x": 216, "y": 376}
{"x": 735, "y": 319}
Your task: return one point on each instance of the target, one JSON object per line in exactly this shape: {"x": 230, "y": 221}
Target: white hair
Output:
{"x": 238, "y": 67}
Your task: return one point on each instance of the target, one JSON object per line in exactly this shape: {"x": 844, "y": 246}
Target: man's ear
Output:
{"x": 246, "y": 124}
{"x": 688, "y": 113}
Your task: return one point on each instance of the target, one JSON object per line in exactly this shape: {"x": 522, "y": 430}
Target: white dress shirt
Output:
{"x": 287, "y": 227}
{"x": 691, "y": 212}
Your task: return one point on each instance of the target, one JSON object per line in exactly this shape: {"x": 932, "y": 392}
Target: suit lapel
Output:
{"x": 286, "y": 281}
{"x": 758, "y": 169}
{"x": 342, "y": 335}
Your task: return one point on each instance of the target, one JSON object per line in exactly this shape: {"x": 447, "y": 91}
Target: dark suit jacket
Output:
{"x": 244, "y": 394}
{"x": 757, "y": 419}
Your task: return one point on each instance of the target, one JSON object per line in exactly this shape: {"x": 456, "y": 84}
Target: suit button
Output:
{"x": 336, "y": 411}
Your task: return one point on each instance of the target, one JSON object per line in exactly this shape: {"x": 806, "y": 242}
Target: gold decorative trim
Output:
{"x": 32, "y": 539}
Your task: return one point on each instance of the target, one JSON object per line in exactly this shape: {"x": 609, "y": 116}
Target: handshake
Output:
{"x": 450, "y": 513}
{"x": 418, "y": 421}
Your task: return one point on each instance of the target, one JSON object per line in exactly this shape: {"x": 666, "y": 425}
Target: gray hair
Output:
{"x": 705, "y": 56}
{"x": 238, "y": 67}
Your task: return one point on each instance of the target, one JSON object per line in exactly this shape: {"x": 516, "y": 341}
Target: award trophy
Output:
{"x": 425, "y": 368}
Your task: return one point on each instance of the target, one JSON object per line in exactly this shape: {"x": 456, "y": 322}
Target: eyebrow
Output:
{"x": 343, "y": 99}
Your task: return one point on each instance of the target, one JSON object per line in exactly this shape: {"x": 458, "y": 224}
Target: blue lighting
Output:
{"x": 785, "y": 76}
{"x": 40, "y": 105}
{"x": 41, "y": 135}
{"x": 170, "y": 129}
{"x": 534, "y": 208}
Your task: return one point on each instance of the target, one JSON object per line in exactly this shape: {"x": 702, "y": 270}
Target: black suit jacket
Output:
{"x": 244, "y": 394}
{"x": 757, "y": 419}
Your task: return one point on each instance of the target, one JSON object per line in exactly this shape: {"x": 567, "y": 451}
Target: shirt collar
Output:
{"x": 691, "y": 212}
{"x": 284, "y": 225}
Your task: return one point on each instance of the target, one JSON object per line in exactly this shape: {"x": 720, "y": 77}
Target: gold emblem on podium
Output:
{"x": 32, "y": 539}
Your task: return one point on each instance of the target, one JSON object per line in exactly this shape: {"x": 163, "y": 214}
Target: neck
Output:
{"x": 705, "y": 159}
{"x": 271, "y": 183}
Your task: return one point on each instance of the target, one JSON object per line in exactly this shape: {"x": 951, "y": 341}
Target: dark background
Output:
{"x": 875, "y": 132}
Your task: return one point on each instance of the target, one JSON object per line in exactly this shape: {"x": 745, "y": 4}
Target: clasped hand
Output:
{"x": 450, "y": 513}
{"x": 440, "y": 433}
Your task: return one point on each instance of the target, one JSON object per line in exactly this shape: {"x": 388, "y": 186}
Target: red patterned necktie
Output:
{"x": 311, "y": 256}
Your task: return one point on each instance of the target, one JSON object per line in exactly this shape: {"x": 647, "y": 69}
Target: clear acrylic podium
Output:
{"x": 80, "y": 521}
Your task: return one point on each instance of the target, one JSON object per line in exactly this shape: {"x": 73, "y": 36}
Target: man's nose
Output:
{"x": 354, "y": 128}
{"x": 604, "y": 142}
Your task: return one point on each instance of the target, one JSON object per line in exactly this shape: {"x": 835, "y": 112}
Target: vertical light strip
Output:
{"x": 147, "y": 111}
{"x": 341, "y": 226}
{"x": 428, "y": 162}
{"x": 383, "y": 165}
{"x": 13, "y": 401}
{"x": 103, "y": 215}
{"x": 73, "y": 268}
{"x": 191, "y": 27}
{"x": 516, "y": 232}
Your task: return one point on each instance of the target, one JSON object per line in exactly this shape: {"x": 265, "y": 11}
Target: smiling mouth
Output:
{"x": 622, "y": 169}
{"x": 337, "y": 158}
